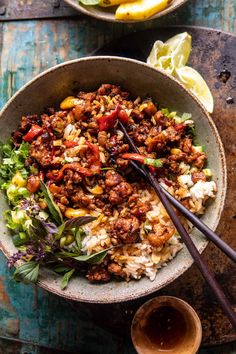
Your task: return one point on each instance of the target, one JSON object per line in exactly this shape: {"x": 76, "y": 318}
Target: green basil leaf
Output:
{"x": 89, "y": 2}
{"x": 53, "y": 208}
{"x": 66, "y": 278}
{"x": 65, "y": 254}
{"x": 79, "y": 235}
{"x": 61, "y": 269}
{"x": 60, "y": 232}
{"x": 27, "y": 272}
{"x": 20, "y": 239}
{"x": 94, "y": 258}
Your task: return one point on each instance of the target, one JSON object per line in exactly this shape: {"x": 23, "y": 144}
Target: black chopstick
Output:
{"x": 199, "y": 224}
{"x": 225, "y": 304}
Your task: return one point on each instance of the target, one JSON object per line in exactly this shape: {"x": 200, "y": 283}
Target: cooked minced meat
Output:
{"x": 81, "y": 154}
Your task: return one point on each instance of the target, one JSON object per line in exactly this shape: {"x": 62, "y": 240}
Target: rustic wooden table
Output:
{"x": 32, "y": 320}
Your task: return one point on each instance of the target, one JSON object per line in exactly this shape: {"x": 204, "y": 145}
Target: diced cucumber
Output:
{"x": 178, "y": 120}
{"x": 198, "y": 148}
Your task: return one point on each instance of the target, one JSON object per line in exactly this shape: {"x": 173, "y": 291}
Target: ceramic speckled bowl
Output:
{"x": 49, "y": 89}
{"x": 108, "y": 13}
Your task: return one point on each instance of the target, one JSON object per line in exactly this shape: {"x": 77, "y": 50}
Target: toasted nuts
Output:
{"x": 69, "y": 102}
{"x": 95, "y": 190}
{"x": 74, "y": 213}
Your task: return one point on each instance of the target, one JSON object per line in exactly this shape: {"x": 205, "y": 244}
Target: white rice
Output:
{"x": 142, "y": 259}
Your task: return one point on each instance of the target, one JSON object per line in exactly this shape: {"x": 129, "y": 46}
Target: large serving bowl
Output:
{"x": 49, "y": 89}
{"x": 108, "y": 13}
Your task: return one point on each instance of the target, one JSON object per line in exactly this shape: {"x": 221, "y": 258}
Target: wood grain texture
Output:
{"x": 28, "y": 9}
{"x": 28, "y": 314}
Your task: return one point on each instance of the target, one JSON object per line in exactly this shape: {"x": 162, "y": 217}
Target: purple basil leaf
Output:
{"x": 41, "y": 228}
{"x": 49, "y": 226}
{"x": 77, "y": 222}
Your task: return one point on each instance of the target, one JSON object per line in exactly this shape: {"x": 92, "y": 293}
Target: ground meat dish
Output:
{"x": 79, "y": 152}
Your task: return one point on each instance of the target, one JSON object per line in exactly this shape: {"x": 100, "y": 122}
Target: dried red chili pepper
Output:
{"x": 93, "y": 157}
{"x": 108, "y": 121}
{"x": 134, "y": 156}
{"x": 143, "y": 159}
{"x": 57, "y": 175}
{"x": 123, "y": 117}
{"x": 70, "y": 144}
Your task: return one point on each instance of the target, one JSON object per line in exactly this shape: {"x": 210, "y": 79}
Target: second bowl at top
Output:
{"x": 108, "y": 13}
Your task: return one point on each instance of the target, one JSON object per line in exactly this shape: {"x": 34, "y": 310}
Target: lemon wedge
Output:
{"x": 192, "y": 80}
{"x": 172, "y": 54}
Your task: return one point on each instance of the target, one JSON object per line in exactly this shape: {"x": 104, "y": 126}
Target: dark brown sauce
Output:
{"x": 165, "y": 327}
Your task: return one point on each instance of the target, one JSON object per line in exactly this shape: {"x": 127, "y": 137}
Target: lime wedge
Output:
{"x": 192, "y": 80}
{"x": 172, "y": 54}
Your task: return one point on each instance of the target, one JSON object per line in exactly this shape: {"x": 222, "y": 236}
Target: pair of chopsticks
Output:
{"x": 167, "y": 199}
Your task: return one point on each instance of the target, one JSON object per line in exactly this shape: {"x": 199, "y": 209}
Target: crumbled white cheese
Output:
{"x": 203, "y": 189}
{"x": 69, "y": 130}
{"x": 185, "y": 180}
{"x": 189, "y": 122}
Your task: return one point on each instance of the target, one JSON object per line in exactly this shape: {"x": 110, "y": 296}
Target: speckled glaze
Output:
{"x": 49, "y": 88}
{"x": 108, "y": 13}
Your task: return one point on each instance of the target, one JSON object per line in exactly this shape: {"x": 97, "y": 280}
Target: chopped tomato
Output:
{"x": 179, "y": 126}
{"x": 33, "y": 184}
{"x": 34, "y": 132}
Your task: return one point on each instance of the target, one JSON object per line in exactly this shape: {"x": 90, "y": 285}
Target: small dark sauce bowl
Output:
{"x": 166, "y": 324}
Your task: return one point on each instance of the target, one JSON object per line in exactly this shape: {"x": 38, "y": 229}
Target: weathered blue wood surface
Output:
{"x": 28, "y": 314}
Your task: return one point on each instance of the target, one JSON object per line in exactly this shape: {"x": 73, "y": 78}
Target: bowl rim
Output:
{"x": 83, "y": 9}
{"x": 189, "y": 261}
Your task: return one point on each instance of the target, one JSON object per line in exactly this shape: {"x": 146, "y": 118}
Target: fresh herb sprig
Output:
{"x": 44, "y": 244}
{"x": 12, "y": 160}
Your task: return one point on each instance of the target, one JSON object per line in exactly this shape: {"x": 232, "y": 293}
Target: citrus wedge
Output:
{"x": 192, "y": 80}
{"x": 172, "y": 54}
